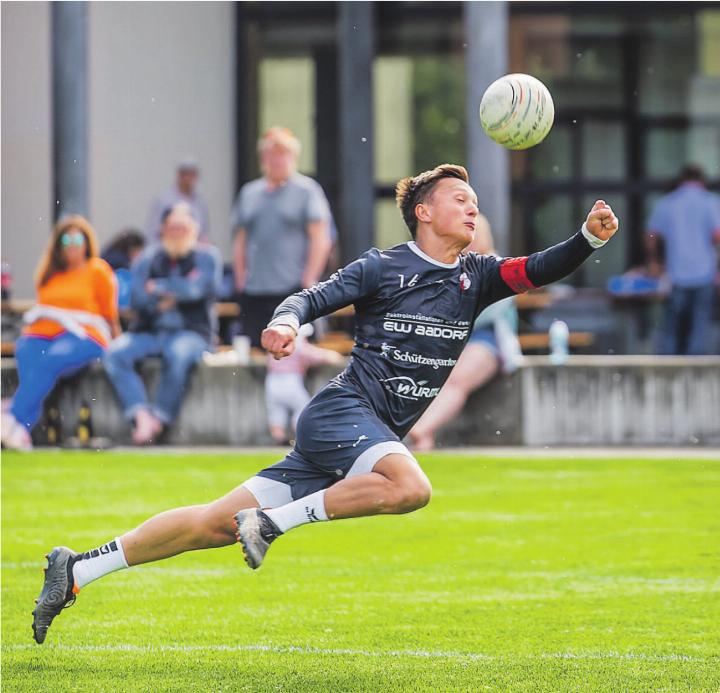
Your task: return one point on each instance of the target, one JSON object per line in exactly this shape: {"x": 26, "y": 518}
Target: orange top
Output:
{"x": 91, "y": 288}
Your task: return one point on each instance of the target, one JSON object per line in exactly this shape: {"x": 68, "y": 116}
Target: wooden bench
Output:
{"x": 343, "y": 343}
{"x": 18, "y": 306}
{"x": 541, "y": 341}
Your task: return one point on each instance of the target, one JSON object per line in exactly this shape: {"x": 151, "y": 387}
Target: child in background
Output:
{"x": 285, "y": 393}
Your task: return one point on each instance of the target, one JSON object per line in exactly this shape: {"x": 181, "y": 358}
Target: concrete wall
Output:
{"x": 589, "y": 401}
{"x": 224, "y": 405}
{"x": 27, "y": 205}
{"x": 623, "y": 400}
{"x": 161, "y": 88}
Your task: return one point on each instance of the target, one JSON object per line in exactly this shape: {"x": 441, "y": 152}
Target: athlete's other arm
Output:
{"x": 521, "y": 274}
{"x": 348, "y": 285}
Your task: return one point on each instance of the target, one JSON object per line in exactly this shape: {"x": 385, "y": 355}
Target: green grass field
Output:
{"x": 521, "y": 575}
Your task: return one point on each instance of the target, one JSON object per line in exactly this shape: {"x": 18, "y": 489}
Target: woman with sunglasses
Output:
{"x": 72, "y": 323}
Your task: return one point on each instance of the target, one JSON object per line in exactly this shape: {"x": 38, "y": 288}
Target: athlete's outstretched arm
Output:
{"x": 348, "y": 285}
{"x": 519, "y": 274}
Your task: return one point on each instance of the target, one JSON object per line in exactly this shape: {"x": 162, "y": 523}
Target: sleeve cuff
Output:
{"x": 287, "y": 319}
{"x": 592, "y": 240}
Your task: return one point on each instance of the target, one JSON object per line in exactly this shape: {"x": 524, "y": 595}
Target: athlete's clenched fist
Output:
{"x": 602, "y": 222}
{"x": 279, "y": 340}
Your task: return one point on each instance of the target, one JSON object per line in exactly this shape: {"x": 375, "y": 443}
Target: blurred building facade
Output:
{"x": 160, "y": 88}
{"x": 375, "y": 91}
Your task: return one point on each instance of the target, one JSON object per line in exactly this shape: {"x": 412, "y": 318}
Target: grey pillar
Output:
{"x": 247, "y": 100}
{"x": 356, "y": 43}
{"x": 486, "y": 59}
{"x": 70, "y": 106}
{"x": 326, "y": 123}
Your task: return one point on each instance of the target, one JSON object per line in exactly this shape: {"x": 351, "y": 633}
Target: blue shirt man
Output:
{"x": 687, "y": 221}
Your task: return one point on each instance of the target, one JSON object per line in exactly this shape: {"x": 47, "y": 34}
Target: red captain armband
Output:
{"x": 514, "y": 273}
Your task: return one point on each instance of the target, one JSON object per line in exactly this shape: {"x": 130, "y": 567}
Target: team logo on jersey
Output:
{"x": 392, "y": 352}
{"x": 425, "y": 326}
{"x": 465, "y": 282}
{"x": 406, "y": 388}
{"x": 423, "y": 330}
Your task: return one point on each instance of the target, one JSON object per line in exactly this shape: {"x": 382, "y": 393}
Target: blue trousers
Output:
{"x": 688, "y": 312}
{"x": 179, "y": 350}
{"x": 41, "y": 362}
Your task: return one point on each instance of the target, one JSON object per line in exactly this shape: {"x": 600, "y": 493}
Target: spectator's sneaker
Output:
{"x": 255, "y": 532}
{"x": 14, "y": 435}
{"x": 7, "y": 425}
{"x": 58, "y": 590}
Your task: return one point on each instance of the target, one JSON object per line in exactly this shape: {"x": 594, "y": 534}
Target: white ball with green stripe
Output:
{"x": 517, "y": 111}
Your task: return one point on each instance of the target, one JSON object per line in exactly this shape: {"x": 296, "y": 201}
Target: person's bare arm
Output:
{"x": 239, "y": 266}
{"x": 318, "y": 253}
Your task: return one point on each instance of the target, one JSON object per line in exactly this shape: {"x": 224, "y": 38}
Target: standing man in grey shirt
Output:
{"x": 281, "y": 238}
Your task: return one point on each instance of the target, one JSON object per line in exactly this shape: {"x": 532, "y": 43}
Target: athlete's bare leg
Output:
{"x": 396, "y": 485}
{"x": 187, "y": 529}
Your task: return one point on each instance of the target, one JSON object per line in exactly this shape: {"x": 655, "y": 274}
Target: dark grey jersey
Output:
{"x": 414, "y": 316}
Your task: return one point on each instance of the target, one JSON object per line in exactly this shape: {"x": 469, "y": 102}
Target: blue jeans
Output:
{"x": 41, "y": 362}
{"x": 179, "y": 350}
{"x": 688, "y": 312}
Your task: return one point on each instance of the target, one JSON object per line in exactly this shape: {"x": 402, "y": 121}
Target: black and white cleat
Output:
{"x": 58, "y": 590}
{"x": 255, "y": 532}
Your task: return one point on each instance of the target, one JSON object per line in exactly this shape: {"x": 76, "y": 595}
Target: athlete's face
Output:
{"x": 452, "y": 211}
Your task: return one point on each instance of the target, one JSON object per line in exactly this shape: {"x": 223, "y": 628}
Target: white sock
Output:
{"x": 94, "y": 564}
{"x": 299, "y": 512}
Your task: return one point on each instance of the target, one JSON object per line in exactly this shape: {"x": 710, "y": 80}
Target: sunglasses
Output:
{"x": 68, "y": 239}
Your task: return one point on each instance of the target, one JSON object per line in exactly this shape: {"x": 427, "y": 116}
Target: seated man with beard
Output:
{"x": 174, "y": 284}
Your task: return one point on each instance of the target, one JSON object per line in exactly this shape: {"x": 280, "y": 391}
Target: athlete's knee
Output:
{"x": 212, "y": 527}
{"x": 412, "y": 494}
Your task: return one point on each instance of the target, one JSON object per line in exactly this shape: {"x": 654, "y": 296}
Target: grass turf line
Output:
{"x": 539, "y": 575}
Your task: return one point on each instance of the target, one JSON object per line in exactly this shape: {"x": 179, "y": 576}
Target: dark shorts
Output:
{"x": 338, "y": 436}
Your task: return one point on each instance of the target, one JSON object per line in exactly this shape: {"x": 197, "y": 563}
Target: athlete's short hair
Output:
{"x": 415, "y": 190}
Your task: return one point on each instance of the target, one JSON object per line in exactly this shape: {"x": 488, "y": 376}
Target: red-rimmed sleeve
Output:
{"x": 503, "y": 277}
{"x": 513, "y": 272}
